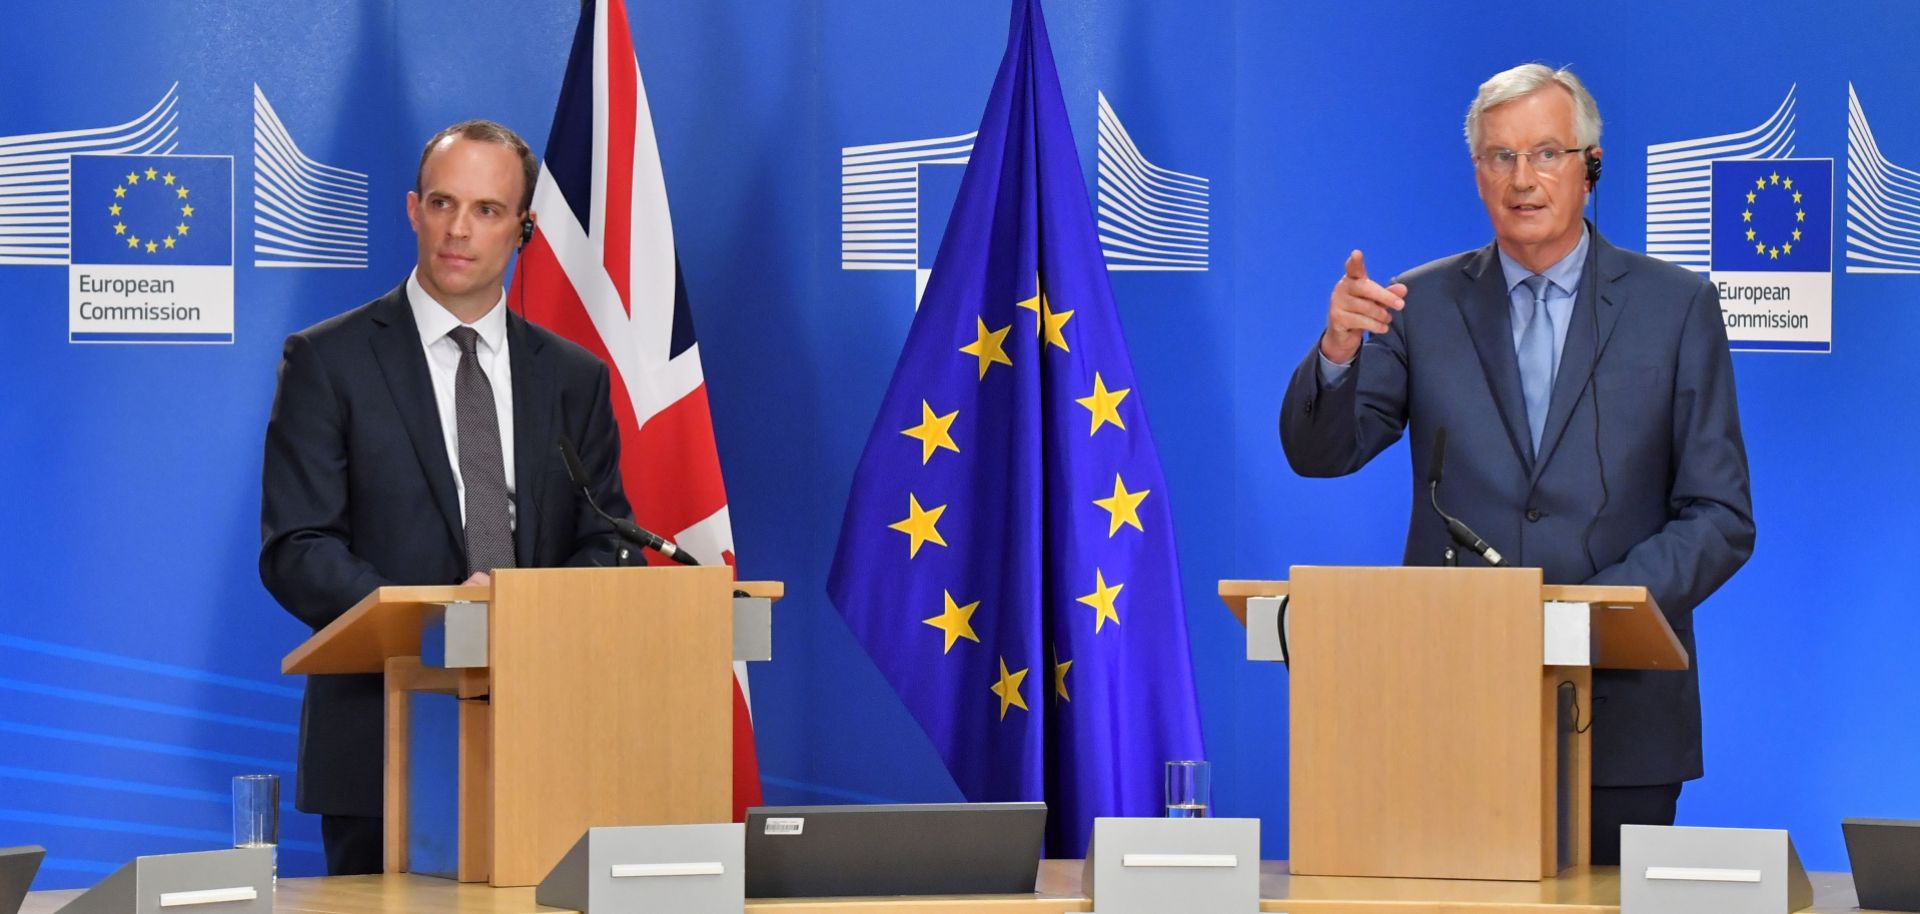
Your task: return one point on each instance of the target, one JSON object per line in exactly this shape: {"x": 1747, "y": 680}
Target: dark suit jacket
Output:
{"x": 358, "y": 492}
{"x": 1644, "y": 391}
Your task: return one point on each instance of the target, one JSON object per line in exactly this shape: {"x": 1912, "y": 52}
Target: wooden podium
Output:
{"x": 1428, "y": 737}
{"x": 605, "y": 697}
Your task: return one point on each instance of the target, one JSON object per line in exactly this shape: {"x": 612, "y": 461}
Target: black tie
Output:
{"x": 482, "y": 469}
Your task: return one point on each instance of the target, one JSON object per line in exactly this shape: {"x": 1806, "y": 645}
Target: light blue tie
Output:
{"x": 1536, "y": 360}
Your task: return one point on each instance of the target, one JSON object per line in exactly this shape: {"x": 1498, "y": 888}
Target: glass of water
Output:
{"x": 256, "y": 814}
{"x": 1189, "y": 784}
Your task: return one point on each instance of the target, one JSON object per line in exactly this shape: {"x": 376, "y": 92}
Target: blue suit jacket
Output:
{"x": 358, "y": 493}
{"x": 1645, "y": 390}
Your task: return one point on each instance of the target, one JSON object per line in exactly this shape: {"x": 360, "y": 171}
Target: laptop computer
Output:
{"x": 1885, "y": 856}
{"x": 894, "y": 849}
{"x": 17, "y": 866}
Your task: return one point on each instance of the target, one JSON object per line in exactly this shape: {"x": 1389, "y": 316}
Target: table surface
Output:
{"x": 1582, "y": 889}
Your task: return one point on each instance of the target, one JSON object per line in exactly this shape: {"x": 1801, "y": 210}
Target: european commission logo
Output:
{"x": 152, "y": 249}
{"x": 1758, "y": 221}
{"x": 1773, "y": 252}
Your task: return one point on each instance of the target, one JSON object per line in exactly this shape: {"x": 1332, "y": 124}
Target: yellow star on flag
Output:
{"x": 152, "y": 247}
{"x": 1800, "y": 216}
{"x": 919, "y": 526}
{"x": 119, "y": 192}
{"x": 1746, "y": 216}
{"x": 1760, "y": 183}
{"x": 119, "y": 228}
{"x": 1104, "y": 404}
{"x": 133, "y": 242}
{"x": 151, "y": 173}
{"x": 133, "y": 177}
{"x": 168, "y": 241}
{"x": 1796, "y": 196}
{"x": 181, "y": 192}
{"x": 1037, "y": 304}
{"x": 989, "y": 346}
{"x": 1749, "y": 234}
{"x": 1008, "y": 688}
{"x": 169, "y": 179}
{"x": 934, "y": 432}
{"x": 955, "y": 622}
{"x": 1786, "y": 247}
{"x": 1102, "y": 601}
{"x": 1060, "y": 669}
{"x": 187, "y": 211}
{"x": 113, "y": 209}
{"x": 1759, "y": 247}
{"x": 1123, "y": 507}
{"x": 1788, "y": 184}
{"x": 1775, "y": 177}
{"x": 181, "y": 228}
{"x": 1796, "y": 234}
{"x": 1055, "y": 323}
{"x": 1750, "y": 196}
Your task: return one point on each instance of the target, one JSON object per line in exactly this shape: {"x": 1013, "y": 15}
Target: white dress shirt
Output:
{"x": 443, "y": 360}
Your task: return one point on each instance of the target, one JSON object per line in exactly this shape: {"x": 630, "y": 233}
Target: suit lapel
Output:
{"x": 1486, "y": 307}
{"x": 1583, "y": 346}
{"x": 396, "y": 347}
{"x": 534, "y": 404}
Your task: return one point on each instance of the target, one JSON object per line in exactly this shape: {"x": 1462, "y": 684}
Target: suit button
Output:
{"x": 1533, "y": 514}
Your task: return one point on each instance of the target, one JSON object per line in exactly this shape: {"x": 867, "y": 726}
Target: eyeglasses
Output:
{"x": 1544, "y": 159}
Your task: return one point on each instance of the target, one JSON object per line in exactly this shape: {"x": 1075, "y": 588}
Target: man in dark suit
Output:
{"x": 1588, "y": 399}
{"x": 412, "y": 441}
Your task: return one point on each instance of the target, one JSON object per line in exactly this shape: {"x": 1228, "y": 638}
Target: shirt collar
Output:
{"x": 1565, "y": 274}
{"x": 435, "y": 321}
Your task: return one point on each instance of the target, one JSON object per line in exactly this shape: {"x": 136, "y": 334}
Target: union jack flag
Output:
{"x": 601, "y": 270}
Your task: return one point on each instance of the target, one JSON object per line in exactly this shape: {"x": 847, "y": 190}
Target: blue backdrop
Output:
{"x": 139, "y": 653}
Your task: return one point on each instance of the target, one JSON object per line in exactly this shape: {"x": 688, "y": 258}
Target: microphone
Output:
{"x": 1461, "y": 534}
{"x": 628, "y": 530}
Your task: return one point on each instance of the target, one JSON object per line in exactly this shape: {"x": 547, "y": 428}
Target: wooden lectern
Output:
{"x": 608, "y": 700}
{"x": 1428, "y": 737}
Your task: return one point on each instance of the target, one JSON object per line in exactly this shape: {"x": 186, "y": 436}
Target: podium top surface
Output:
{"x": 387, "y": 622}
{"x": 1629, "y": 630}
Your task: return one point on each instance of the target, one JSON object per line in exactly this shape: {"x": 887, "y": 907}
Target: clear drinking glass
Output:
{"x": 1189, "y": 784}
{"x": 256, "y": 814}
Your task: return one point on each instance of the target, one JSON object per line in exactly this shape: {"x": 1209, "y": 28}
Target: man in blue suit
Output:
{"x": 412, "y": 441}
{"x": 1588, "y": 401}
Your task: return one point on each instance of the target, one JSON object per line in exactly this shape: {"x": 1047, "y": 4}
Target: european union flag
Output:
{"x": 152, "y": 210}
{"x": 1007, "y": 556}
{"x": 1773, "y": 215}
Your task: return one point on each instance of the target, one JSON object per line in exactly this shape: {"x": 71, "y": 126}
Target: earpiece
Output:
{"x": 526, "y": 225}
{"x": 1593, "y": 167}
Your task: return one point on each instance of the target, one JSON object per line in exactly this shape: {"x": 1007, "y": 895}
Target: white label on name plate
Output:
{"x": 785, "y": 826}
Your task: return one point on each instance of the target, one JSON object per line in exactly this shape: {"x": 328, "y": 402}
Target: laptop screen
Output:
{"x": 17, "y": 866}
{"x": 898, "y": 849}
{"x": 1885, "y": 856}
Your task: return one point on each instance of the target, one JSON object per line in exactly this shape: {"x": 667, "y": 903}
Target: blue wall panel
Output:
{"x": 139, "y": 654}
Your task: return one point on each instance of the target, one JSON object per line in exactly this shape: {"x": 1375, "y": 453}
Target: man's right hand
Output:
{"x": 1358, "y": 306}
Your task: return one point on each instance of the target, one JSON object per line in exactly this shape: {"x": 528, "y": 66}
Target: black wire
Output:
{"x": 1575, "y": 703}
{"x": 1593, "y": 383}
{"x": 1280, "y": 632}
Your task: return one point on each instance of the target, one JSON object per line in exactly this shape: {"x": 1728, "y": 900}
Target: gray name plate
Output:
{"x": 454, "y": 636}
{"x": 752, "y": 628}
{"x": 1196, "y": 866}
{"x": 686, "y": 869}
{"x": 1266, "y": 635}
{"x": 1685, "y": 870}
{"x": 238, "y": 881}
